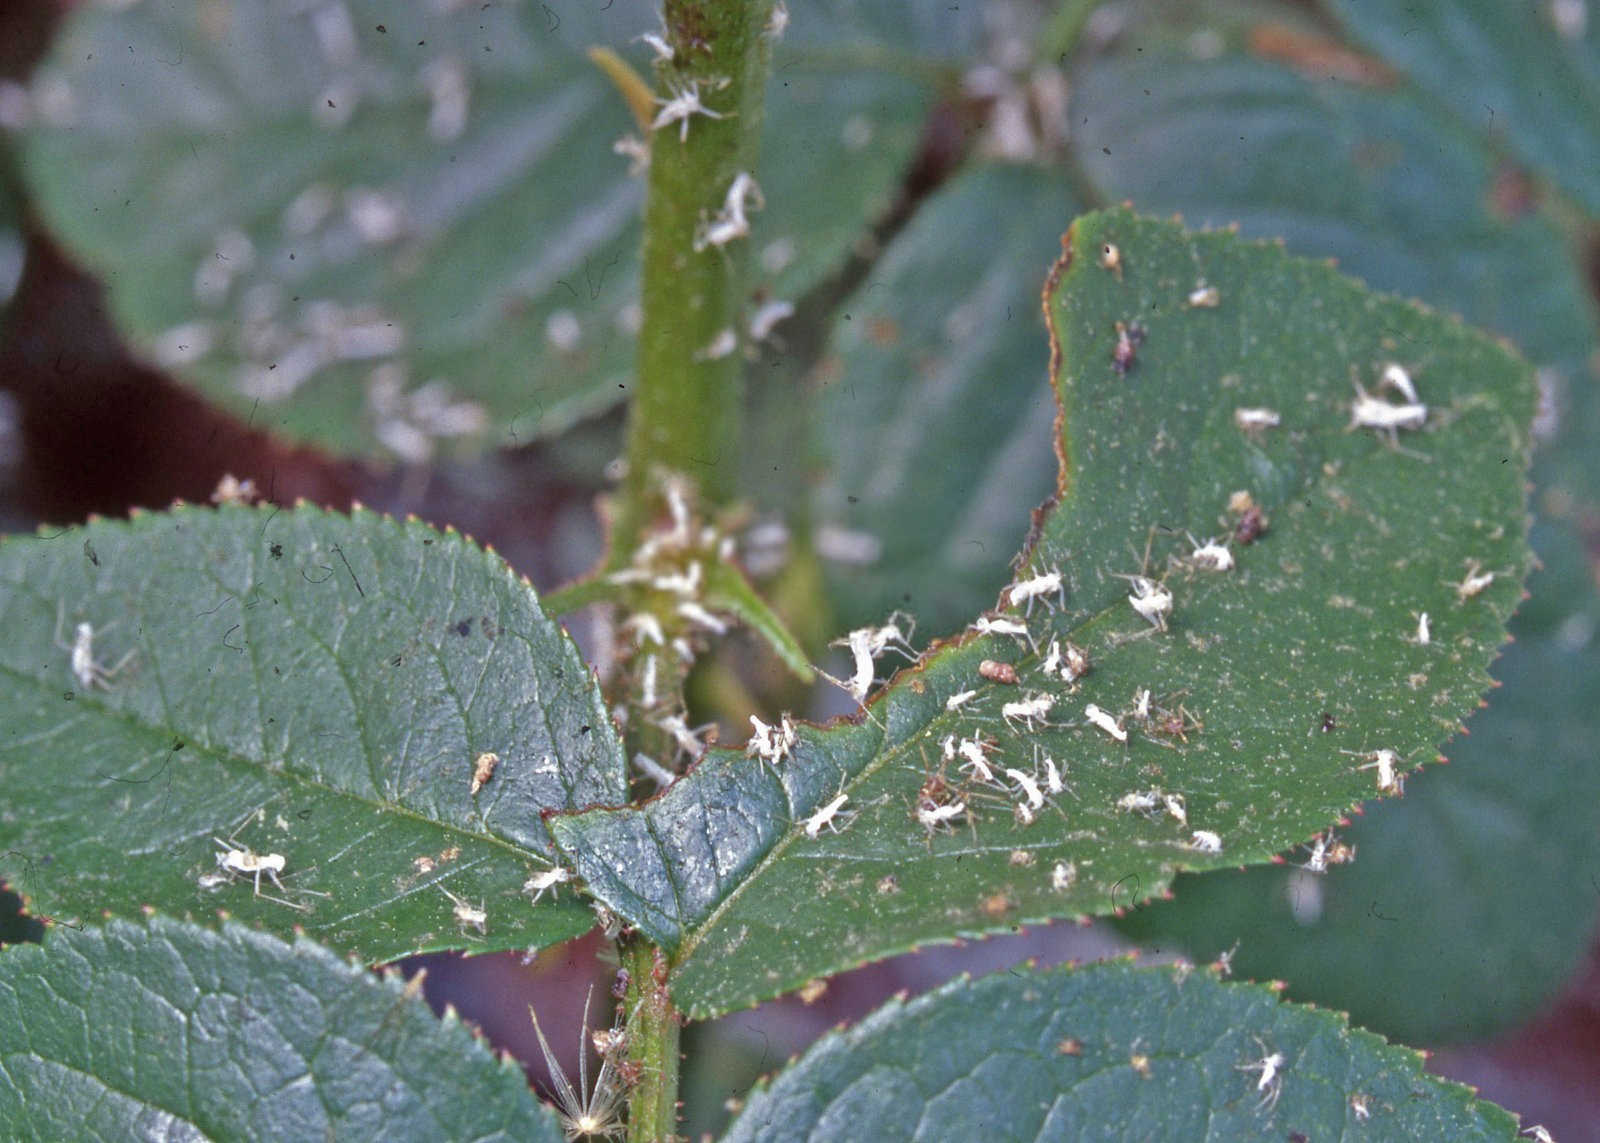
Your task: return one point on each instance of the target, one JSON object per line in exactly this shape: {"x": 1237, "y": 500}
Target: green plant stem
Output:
{"x": 685, "y": 413}
{"x": 653, "y": 1031}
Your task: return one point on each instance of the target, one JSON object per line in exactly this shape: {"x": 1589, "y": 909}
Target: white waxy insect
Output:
{"x": 826, "y": 817}
{"x": 1075, "y": 662}
{"x": 547, "y": 882}
{"x": 1151, "y": 600}
{"x": 700, "y": 617}
{"x": 730, "y": 222}
{"x": 246, "y": 862}
{"x": 959, "y": 700}
{"x": 1062, "y": 876}
{"x": 772, "y": 744}
{"x": 1211, "y": 555}
{"x": 1111, "y": 258}
{"x": 1424, "y": 633}
{"x": 88, "y": 673}
{"x": 1052, "y": 658}
{"x": 687, "y": 740}
{"x": 1269, "y": 1083}
{"x": 1318, "y": 861}
{"x": 1256, "y": 419}
{"x": 1371, "y": 412}
{"x": 1028, "y": 711}
{"x": 1139, "y": 802}
{"x": 1205, "y": 841}
{"x": 646, "y": 628}
{"x": 685, "y": 583}
{"x": 1385, "y": 762}
{"x": 1474, "y": 582}
{"x": 1538, "y": 1133}
{"x": 1141, "y": 704}
{"x": 648, "y": 697}
{"x": 1043, "y": 586}
{"x": 936, "y": 817}
{"x": 1176, "y": 808}
{"x": 1105, "y": 722}
{"x": 971, "y": 749}
{"x": 1028, "y": 785}
{"x": 766, "y": 318}
{"x": 587, "y": 1112}
{"x": 778, "y": 21}
{"x": 866, "y": 644}
{"x": 1204, "y": 297}
{"x": 1022, "y": 814}
{"x": 653, "y": 770}
{"x": 1394, "y": 376}
{"x": 684, "y": 102}
{"x": 996, "y": 625}
{"x": 658, "y": 45}
{"x": 636, "y": 151}
{"x": 1052, "y": 776}
{"x": 1360, "y": 1107}
{"x": 467, "y": 916}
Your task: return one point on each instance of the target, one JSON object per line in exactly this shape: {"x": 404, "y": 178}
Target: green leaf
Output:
{"x": 1513, "y": 73}
{"x": 1296, "y": 666}
{"x": 1379, "y": 179}
{"x": 1109, "y": 1051}
{"x": 311, "y": 217}
{"x": 1406, "y": 198}
{"x": 336, "y": 679}
{"x": 287, "y": 217}
{"x": 163, "y": 1029}
{"x": 1472, "y": 892}
{"x": 944, "y": 346}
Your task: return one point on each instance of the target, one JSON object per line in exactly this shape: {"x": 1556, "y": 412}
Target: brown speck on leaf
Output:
{"x": 1071, "y": 1046}
{"x": 998, "y": 672}
{"x": 1250, "y": 526}
{"x": 1129, "y": 337}
{"x": 483, "y": 769}
{"x": 888, "y": 885}
{"x": 812, "y": 991}
{"x": 1140, "y": 1063}
{"x": 995, "y": 905}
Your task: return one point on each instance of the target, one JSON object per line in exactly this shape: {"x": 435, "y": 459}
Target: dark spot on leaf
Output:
{"x": 397, "y": 660}
{"x": 88, "y": 550}
{"x": 277, "y": 551}
{"x": 382, "y": 30}
{"x": 853, "y": 499}
{"x": 1327, "y": 723}
{"x": 464, "y": 628}
{"x": 584, "y": 729}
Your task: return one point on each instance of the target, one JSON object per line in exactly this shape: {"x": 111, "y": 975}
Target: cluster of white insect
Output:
{"x": 1205, "y": 841}
{"x": 772, "y": 744}
{"x": 1068, "y": 661}
{"x": 730, "y": 222}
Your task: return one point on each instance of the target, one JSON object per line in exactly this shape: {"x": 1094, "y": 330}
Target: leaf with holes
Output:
{"x": 1235, "y": 696}
{"x": 203, "y": 703}
{"x": 1109, "y": 1051}
{"x": 164, "y": 1030}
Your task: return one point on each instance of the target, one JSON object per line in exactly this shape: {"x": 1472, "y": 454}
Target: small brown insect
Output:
{"x": 998, "y": 672}
{"x": 1328, "y": 725}
{"x": 1250, "y": 525}
{"x": 1111, "y": 259}
{"x": 1129, "y": 338}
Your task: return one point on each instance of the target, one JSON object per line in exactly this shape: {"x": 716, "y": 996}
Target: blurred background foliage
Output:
{"x": 416, "y": 215}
